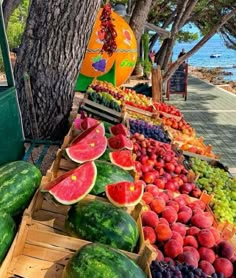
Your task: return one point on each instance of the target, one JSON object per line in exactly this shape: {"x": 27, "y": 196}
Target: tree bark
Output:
{"x": 210, "y": 34}
{"x": 8, "y": 7}
{"x": 53, "y": 46}
{"x": 139, "y": 17}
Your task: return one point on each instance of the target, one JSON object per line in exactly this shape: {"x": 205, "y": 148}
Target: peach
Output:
{"x": 169, "y": 214}
{"x": 179, "y": 227}
{"x": 198, "y": 211}
{"x": 193, "y": 251}
{"x": 201, "y": 221}
{"x": 206, "y": 238}
{"x": 173, "y": 204}
{"x": 193, "y": 231}
{"x": 169, "y": 260}
{"x": 206, "y": 267}
{"x": 207, "y": 254}
{"x": 225, "y": 250}
{"x": 180, "y": 201}
{"x": 197, "y": 204}
{"x": 184, "y": 214}
{"x": 158, "y": 204}
{"x": 149, "y": 218}
{"x": 153, "y": 189}
{"x": 173, "y": 248}
{"x": 210, "y": 216}
{"x": 188, "y": 258}
{"x": 149, "y": 234}
{"x": 215, "y": 233}
{"x": 163, "y": 232}
{"x": 163, "y": 221}
{"x": 164, "y": 196}
{"x": 223, "y": 265}
{"x": 186, "y": 198}
{"x": 169, "y": 193}
{"x": 190, "y": 241}
{"x": 160, "y": 256}
{"x": 147, "y": 197}
{"x": 177, "y": 236}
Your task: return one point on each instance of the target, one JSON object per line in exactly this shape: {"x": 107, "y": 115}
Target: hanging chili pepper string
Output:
{"x": 108, "y": 29}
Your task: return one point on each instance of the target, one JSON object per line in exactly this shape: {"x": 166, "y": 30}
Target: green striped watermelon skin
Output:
{"x": 100, "y": 261}
{"x": 18, "y": 182}
{"x": 108, "y": 173}
{"x": 7, "y": 233}
{"x": 102, "y": 222}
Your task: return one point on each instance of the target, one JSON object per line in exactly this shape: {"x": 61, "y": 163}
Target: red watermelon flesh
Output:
{"x": 124, "y": 193}
{"x": 120, "y": 142}
{"x": 123, "y": 159}
{"x": 88, "y": 150}
{"x": 90, "y": 133}
{"x": 88, "y": 122}
{"x": 119, "y": 129}
{"x": 76, "y": 186}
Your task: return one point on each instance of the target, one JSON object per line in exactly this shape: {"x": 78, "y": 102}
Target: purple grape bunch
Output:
{"x": 155, "y": 132}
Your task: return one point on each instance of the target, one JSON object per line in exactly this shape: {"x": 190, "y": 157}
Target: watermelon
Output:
{"x": 7, "y": 233}
{"x": 99, "y": 261}
{"x": 123, "y": 159}
{"x": 119, "y": 129}
{"x": 75, "y": 186}
{"x": 108, "y": 173}
{"x": 102, "y": 222}
{"x": 88, "y": 122}
{"x": 125, "y": 193}
{"x": 87, "y": 150}
{"x": 119, "y": 142}
{"x": 18, "y": 182}
{"x": 90, "y": 133}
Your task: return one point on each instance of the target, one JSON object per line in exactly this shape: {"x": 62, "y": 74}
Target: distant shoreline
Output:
{"x": 214, "y": 76}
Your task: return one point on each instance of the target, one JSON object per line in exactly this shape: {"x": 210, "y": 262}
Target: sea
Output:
{"x": 216, "y": 45}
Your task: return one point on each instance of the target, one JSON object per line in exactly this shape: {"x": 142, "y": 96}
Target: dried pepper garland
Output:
{"x": 108, "y": 29}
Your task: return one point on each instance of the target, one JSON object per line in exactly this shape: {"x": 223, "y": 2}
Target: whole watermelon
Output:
{"x": 7, "y": 233}
{"x": 18, "y": 182}
{"x": 100, "y": 261}
{"x": 102, "y": 222}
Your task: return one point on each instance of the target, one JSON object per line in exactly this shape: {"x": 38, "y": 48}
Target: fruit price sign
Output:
{"x": 177, "y": 84}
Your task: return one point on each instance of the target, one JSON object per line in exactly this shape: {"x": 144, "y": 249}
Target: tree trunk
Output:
{"x": 210, "y": 34}
{"x": 52, "y": 50}
{"x": 139, "y": 17}
{"x": 8, "y": 7}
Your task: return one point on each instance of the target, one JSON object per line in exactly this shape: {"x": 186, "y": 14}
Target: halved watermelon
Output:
{"x": 87, "y": 150}
{"x": 95, "y": 131}
{"x": 75, "y": 186}
{"x": 88, "y": 122}
{"x": 119, "y": 129}
{"x": 123, "y": 159}
{"x": 119, "y": 142}
{"x": 124, "y": 193}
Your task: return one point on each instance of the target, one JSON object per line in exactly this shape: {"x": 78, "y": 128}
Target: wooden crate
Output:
{"x": 40, "y": 253}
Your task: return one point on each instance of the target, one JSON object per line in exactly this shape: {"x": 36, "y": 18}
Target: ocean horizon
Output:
{"x": 226, "y": 59}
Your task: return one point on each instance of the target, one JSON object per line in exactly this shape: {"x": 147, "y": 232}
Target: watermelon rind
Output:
{"x": 87, "y": 151}
{"x": 108, "y": 173}
{"x": 7, "y": 233}
{"x": 102, "y": 222}
{"x": 97, "y": 260}
{"x": 63, "y": 191}
{"x": 18, "y": 182}
{"x": 120, "y": 192}
{"x": 123, "y": 159}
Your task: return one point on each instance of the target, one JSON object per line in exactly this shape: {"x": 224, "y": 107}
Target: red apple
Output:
{"x": 159, "y": 183}
{"x": 149, "y": 177}
{"x": 169, "y": 167}
{"x": 170, "y": 185}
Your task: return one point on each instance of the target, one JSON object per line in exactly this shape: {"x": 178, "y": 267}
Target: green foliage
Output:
{"x": 184, "y": 36}
{"x": 17, "y": 23}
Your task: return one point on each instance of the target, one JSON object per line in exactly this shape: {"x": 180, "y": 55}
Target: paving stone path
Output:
{"x": 212, "y": 112}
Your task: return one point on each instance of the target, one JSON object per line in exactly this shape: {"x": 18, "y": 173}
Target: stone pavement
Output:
{"x": 212, "y": 112}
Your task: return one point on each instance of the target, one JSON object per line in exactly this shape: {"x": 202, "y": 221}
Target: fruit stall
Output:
{"x": 132, "y": 192}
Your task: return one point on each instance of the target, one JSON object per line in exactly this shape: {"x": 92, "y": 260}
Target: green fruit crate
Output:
{"x": 40, "y": 253}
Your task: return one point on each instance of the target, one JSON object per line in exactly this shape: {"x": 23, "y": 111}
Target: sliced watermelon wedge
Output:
{"x": 88, "y": 122}
{"x": 119, "y": 142}
{"x": 124, "y": 193}
{"x": 75, "y": 185}
{"x": 87, "y": 150}
{"x": 95, "y": 131}
{"x": 123, "y": 159}
{"x": 119, "y": 129}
